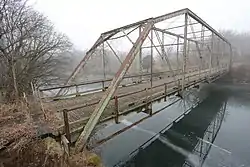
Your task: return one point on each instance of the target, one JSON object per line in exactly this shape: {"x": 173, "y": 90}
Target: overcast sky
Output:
{"x": 84, "y": 20}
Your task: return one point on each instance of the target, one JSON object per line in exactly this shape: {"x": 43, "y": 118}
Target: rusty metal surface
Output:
{"x": 107, "y": 35}
{"x": 81, "y": 141}
{"x": 103, "y": 105}
{"x": 184, "y": 60}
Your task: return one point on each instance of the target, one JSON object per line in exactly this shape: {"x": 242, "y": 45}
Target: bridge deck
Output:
{"x": 131, "y": 97}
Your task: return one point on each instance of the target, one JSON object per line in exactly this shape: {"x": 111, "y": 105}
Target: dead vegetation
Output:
{"x": 29, "y": 49}
{"x": 16, "y": 125}
{"x": 46, "y": 153}
{"x": 21, "y": 146}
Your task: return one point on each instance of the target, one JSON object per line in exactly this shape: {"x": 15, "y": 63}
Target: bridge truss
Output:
{"x": 175, "y": 43}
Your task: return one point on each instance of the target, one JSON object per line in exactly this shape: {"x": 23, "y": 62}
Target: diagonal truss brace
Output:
{"x": 82, "y": 139}
{"x": 165, "y": 56}
{"x": 197, "y": 45}
{"x": 100, "y": 40}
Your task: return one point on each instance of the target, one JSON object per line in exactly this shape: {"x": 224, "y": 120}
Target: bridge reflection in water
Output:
{"x": 195, "y": 133}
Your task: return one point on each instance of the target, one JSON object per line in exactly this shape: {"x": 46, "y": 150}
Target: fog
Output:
{"x": 84, "y": 20}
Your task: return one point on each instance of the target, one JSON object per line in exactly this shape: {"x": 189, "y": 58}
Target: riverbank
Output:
{"x": 26, "y": 140}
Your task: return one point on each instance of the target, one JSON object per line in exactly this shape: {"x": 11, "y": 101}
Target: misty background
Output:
{"x": 42, "y": 41}
{"x": 84, "y": 21}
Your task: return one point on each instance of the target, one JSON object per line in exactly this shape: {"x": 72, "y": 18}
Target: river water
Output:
{"x": 213, "y": 133}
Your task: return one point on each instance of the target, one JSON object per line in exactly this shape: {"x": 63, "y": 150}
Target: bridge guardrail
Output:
{"x": 105, "y": 83}
{"x": 66, "y": 127}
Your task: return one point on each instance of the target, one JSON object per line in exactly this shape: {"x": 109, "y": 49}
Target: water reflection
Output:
{"x": 204, "y": 144}
{"x": 195, "y": 134}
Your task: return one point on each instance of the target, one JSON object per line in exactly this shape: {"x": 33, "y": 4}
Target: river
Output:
{"x": 213, "y": 133}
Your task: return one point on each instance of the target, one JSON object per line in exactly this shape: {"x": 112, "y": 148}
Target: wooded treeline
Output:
{"x": 29, "y": 48}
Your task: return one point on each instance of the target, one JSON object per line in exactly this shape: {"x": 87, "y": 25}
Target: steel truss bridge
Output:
{"x": 135, "y": 65}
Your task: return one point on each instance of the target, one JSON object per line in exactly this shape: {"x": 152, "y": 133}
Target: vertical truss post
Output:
{"x": 211, "y": 55}
{"x": 184, "y": 53}
{"x": 165, "y": 92}
{"x": 100, "y": 107}
{"x": 197, "y": 47}
{"x": 201, "y": 51}
{"x": 162, "y": 45}
{"x": 147, "y": 94}
{"x": 66, "y": 124}
{"x": 151, "y": 71}
{"x": 116, "y": 110}
{"x": 103, "y": 61}
{"x": 202, "y": 47}
{"x": 177, "y": 55}
{"x": 218, "y": 55}
{"x": 103, "y": 86}
{"x": 140, "y": 57}
{"x": 222, "y": 54}
{"x": 200, "y": 65}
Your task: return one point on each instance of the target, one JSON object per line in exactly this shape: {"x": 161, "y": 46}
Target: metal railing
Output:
{"x": 168, "y": 90}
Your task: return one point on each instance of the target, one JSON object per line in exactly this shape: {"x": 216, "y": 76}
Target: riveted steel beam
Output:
{"x": 184, "y": 60}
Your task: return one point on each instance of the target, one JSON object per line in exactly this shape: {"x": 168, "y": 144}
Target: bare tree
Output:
{"x": 29, "y": 47}
{"x": 146, "y": 62}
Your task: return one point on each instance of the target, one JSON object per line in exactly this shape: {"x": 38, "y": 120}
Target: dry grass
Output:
{"x": 15, "y": 124}
{"x": 20, "y": 119}
{"x": 20, "y": 147}
{"x": 13, "y": 109}
{"x": 46, "y": 153}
